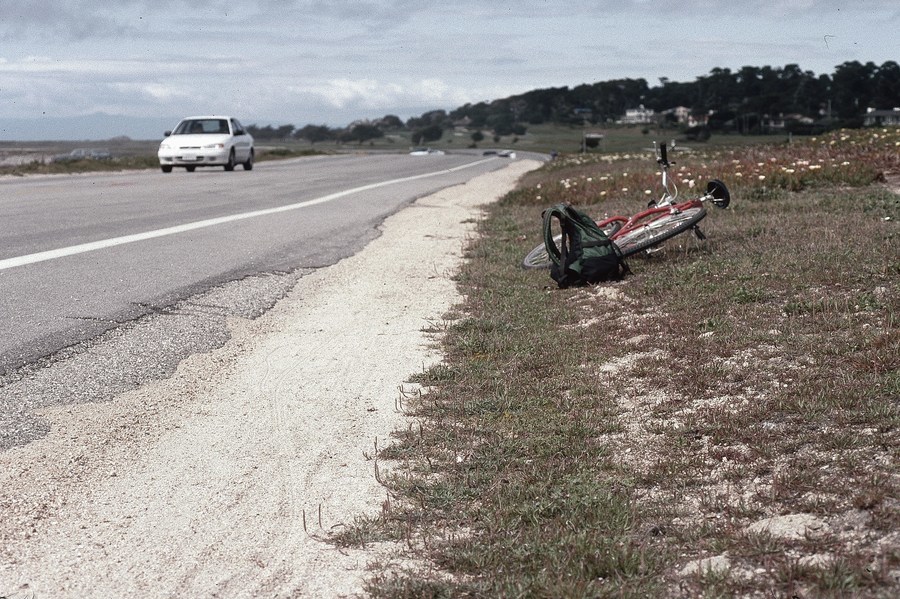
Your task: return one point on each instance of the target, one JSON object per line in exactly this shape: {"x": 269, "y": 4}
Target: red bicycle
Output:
{"x": 662, "y": 220}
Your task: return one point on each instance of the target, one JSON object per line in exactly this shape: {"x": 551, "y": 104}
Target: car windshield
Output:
{"x": 195, "y": 126}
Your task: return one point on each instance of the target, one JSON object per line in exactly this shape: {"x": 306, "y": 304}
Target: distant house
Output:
{"x": 882, "y": 118}
{"x": 462, "y": 125}
{"x": 638, "y": 116}
{"x": 683, "y": 116}
{"x": 584, "y": 113}
{"x": 783, "y": 120}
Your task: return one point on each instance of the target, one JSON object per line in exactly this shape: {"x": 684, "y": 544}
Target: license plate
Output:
{"x": 189, "y": 157}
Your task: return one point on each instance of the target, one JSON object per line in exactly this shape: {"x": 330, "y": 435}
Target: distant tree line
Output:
{"x": 730, "y": 101}
{"x": 425, "y": 128}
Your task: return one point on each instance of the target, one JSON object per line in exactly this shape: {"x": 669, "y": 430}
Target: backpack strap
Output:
{"x": 565, "y": 254}
{"x": 559, "y": 213}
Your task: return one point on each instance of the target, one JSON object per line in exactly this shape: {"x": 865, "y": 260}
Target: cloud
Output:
{"x": 72, "y": 20}
{"x": 362, "y": 93}
{"x": 83, "y": 19}
{"x": 155, "y": 92}
{"x": 117, "y": 69}
{"x": 339, "y": 60}
{"x": 372, "y": 96}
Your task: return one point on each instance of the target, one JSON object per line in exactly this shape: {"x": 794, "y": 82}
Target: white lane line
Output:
{"x": 202, "y": 224}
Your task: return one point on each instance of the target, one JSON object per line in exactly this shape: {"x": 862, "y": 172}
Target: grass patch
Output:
{"x": 35, "y": 158}
{"x": 599, "y": 441}
{"x": 139, "y": 162}
{"x": 265, "y": 153}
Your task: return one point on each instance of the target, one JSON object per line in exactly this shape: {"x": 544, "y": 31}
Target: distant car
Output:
{"x": 500, "y": 153}
{"x": 426, "y": 152}
{"x": 207, "y": 141}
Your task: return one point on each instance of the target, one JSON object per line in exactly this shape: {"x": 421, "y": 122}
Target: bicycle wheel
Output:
{"x": 658, "y": 230}
{"x": 540, "y": 258}
{"x": 719, "y": 192}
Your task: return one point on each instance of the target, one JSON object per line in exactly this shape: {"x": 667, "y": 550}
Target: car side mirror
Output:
{"x": 239, "y": 132}
{"x": 167, "y": 134}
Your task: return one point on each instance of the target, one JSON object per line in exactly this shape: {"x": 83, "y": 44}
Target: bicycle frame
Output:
{"x": 666, "y": 206}
{"x": 642, "y": 219}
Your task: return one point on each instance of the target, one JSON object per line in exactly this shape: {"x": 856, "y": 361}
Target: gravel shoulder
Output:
{"x": 225, "y": 478}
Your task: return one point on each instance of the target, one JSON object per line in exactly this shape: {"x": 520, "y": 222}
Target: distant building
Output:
{"x": 584, "y": 113}
{"x": 682, "y": 113}
{"x": 462, "y": 125}
{"x": 882, "y": 118}
{"x": 683, "y": 116}
{"x": 638, "y": 116}
{"x": 782, "y": 121}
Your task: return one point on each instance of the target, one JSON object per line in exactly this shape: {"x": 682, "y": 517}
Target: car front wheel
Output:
{"x": 229, "y": 166}
{"x": 166, "y": 169}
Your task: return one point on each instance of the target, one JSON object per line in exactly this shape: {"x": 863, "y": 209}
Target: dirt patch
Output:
{"x": 892, "y": 180}
{"x": 733, "y": 487}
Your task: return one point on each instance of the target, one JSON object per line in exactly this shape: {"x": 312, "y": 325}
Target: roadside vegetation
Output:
{"x": 723, "y": 422}
{"x": 36, "y": 158}
{"x": 37, "y": 167}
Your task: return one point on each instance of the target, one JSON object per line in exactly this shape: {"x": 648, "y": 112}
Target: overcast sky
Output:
{"x": 332, "y": 62}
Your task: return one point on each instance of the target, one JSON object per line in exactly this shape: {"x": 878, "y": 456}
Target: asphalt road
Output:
{"x": 85, "y": 256}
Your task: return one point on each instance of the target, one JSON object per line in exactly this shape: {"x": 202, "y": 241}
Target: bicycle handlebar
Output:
{"x": 662, "y": 153}
{"x": 662, "y": 159}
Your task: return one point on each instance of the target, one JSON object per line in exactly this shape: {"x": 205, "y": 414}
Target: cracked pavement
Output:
{"x": 145, "y": 348}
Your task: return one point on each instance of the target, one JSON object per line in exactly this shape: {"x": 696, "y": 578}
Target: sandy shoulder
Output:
{"x": 198, "y": 485}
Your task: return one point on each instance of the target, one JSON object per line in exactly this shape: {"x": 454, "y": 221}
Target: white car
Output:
{"x": 426, "y": 152}
{"x": 206, "y": 141}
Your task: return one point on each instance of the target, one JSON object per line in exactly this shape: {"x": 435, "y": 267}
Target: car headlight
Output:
{"x": 214, "y": 147}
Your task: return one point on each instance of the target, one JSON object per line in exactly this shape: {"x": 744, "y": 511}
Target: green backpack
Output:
{"x": 585, "y": 255}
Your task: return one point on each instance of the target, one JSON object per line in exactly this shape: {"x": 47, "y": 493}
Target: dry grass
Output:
{"x": 722, "y": 423}
{"x": 36, "y": 158}
{"x": 762, "y": 397}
